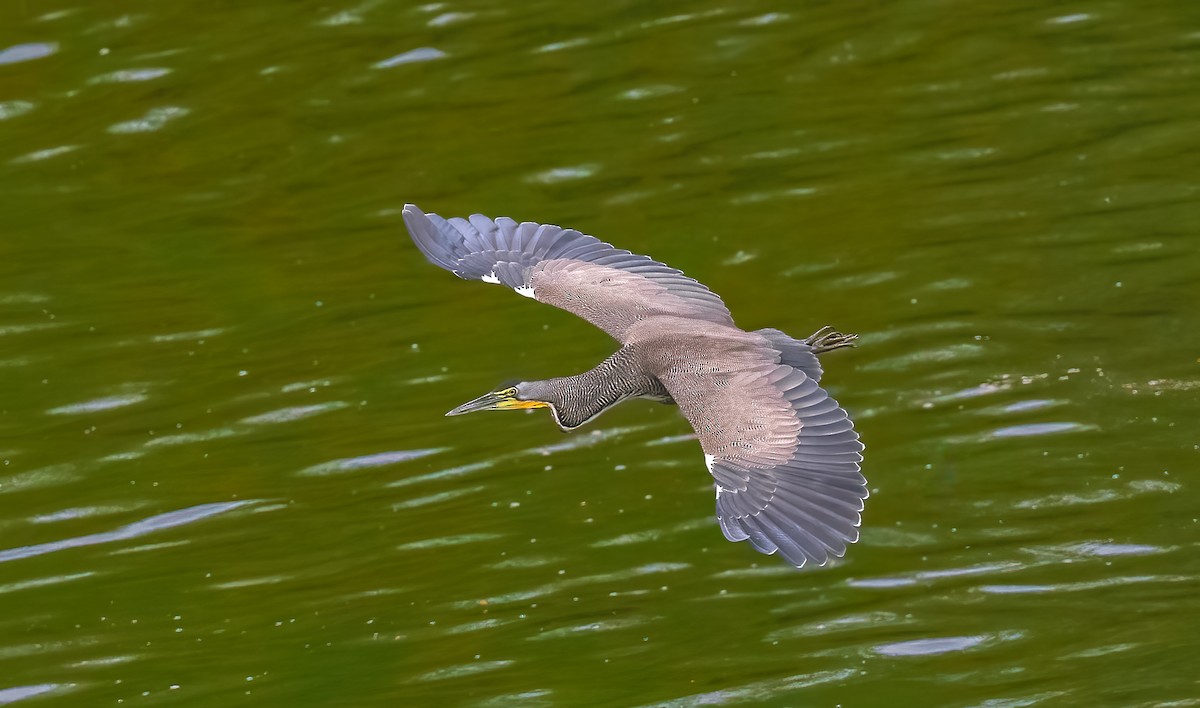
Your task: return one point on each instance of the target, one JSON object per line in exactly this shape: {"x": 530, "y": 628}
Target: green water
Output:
{"x": 226, "y": 477}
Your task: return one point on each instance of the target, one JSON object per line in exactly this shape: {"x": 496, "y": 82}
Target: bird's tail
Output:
{"x": 802, "y": 353}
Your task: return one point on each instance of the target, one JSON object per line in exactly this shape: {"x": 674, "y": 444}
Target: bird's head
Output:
{"x": 519, "y": 396}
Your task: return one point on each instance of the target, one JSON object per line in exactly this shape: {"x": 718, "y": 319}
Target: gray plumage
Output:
{"x": 783, "y": 455}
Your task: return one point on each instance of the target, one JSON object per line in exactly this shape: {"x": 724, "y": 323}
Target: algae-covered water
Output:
{"x": 225, "y": 474}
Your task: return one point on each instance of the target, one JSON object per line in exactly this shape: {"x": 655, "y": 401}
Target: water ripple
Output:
{"x": 909, "y": 579}
{"x": 563, "y": 174}
{"x": 553, "y": 588}
{"x": 868, "y": 620}
{"x": 1031, "y": 405}
{"x": 683, "y": 17}
{"x": 412, "y": 56}
{"x": 46, "y": 154}
{"x": 189, "y": 438}
{"x": 445, "y": 541}
{"x": 565, "y": 44}
{"x": 12, "y": 109}
{"x": 926, "y": 357}
{"x": 379, "y": 459}
{"x": 352, "y": 16}
{"x": 443, "y": 474}
{"x": 942, "y": 645}
{"x": 27, "y": 52}
{"x": 490, "y": 623}
{"x": 592, "y": 627}
{"x": 83, "y": 512}
{"x": 1095, "y": 549}
{"x": 188, "y": 336}
{"x": 251, "y": 582}
{"x": 99, "y": 404}
{"x": 1020, "y": 431}
{"x": 154, "y": 120}
{"x": 32, "y": 327}
{"x": 310, "y": 386}
{"x": 671, "y": 440}
{"x": 1069, "y": 19}
{"x": 437, "y": 498}
{"x": 461, "y": 670}
{"x": 580, "y": 441}
{"x": 25, "y": 298}
{"x": 526, "y": 562}
{"x": 535, "y": 698}
{"x": 43, "y": 582}
{"x": 159, "y": 522}
{"x": 769, "y": 18}
{"x": 656, "y": 534}
{"x": 130, "y": 75}
{"x": 654, "y": 91}
{"x": 1135, "y": 487}
{"x": 20, "y": 693}
{"x": 770, "y": 195}
{"x": 449, "y": 18}
{"x": 146, "y": 547}
{"x": 40, "y": 477}
{"x": 757, "y": 692}
{"x": 103, "y": 661}
{"x": 1021, "y": 589}
{"x": 291, "y": 413}
{"x": 1102, "y": 549}
{"x": 1024, "y": 701}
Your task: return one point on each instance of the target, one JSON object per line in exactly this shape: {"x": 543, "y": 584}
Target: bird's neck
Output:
{"x": 579, "y": 399}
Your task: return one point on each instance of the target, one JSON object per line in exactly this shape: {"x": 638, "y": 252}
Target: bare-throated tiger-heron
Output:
{"x": 783, "y": 455}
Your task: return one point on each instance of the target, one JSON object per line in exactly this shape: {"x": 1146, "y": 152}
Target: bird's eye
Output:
{"x": 509, "y": 392}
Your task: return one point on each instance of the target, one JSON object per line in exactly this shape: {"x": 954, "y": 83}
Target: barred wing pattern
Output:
{"x": 784, "y": 456}
{"x": 609, "y": 287}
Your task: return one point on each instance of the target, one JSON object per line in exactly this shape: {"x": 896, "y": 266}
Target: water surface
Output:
{"x": 224, "y": 470}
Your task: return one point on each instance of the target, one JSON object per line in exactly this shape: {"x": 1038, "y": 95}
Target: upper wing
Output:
{"x": 609, "y": 287}
{"x": 784, "y": 455}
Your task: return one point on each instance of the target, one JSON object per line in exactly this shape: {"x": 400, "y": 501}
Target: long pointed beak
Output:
{"x": 486, "y": 402}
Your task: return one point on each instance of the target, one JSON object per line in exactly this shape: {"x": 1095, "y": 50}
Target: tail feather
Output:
{"x": 802, "y": 354}
{"x": 794, "y": 353}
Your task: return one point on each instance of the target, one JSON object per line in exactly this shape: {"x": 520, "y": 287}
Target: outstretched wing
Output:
{"x": 784, "y": 455}
{"x": 609, "y": 287}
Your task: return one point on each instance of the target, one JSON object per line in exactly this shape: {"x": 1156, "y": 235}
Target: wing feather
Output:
{"x": 609, "y": 287}
{"x": 783, "y": 455}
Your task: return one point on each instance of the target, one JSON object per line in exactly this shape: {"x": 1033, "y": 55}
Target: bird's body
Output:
{"x": 783, "y": 455}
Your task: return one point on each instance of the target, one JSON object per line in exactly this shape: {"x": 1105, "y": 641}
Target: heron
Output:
{"x": 783, "y": 455}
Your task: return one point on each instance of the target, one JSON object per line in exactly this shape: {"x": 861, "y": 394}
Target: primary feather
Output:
{"x": 784, "y": 457}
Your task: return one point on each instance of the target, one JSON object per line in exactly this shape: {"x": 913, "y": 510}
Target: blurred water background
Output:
{"x": 225, "y": 477}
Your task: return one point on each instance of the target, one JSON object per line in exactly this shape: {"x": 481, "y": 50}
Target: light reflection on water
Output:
{"x": 151, "y": 524}
{"x": 224, "y": 469}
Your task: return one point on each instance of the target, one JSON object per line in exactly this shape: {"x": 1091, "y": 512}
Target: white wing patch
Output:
{"x": 525, "y": 290}
{"x": 708, "y": 462}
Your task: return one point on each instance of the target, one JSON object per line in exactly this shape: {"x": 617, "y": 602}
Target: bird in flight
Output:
{"x": 783, "y": 455}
